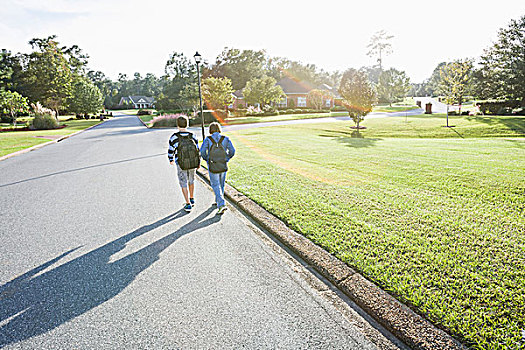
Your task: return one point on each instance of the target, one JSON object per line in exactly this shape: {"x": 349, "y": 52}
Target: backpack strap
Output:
{"x": 221, "y": 139}
{"x": 212, "y": 141}
{"x": 176, "y": 139}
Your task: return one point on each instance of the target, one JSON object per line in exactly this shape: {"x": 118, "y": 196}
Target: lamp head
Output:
{"x": 198, "y": 57}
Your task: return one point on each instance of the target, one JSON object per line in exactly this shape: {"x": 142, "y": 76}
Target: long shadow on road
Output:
{"x": 30, "y": 306}
{"x": 79, "y": 169}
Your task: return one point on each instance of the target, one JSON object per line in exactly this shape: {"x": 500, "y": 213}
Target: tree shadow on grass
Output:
{"x": 353, "y": 138}
{"x": 516, "y": 124}
{"x": 33, "y": 304}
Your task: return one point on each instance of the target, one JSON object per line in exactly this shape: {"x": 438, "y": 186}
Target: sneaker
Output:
{"x": 192, "y": 202}
{"x": 187, "y": 207}
{"x": 222, "y": 210}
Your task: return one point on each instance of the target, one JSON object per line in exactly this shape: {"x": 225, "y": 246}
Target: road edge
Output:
{"x": 404, "y": 323}
{"x": 33, "y": 148}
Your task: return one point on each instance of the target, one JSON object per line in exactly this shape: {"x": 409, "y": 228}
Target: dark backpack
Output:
{"x": 217, "y": 156}
{"x": 188, "y": 156}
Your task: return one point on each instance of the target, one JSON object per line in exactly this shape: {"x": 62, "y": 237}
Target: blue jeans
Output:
{"x": 217, "y": 182}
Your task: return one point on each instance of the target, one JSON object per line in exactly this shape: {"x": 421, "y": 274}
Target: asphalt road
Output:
{"x": 96, "y": 253}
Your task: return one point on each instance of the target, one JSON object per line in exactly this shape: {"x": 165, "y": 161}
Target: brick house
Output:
{"x": 296, "y": 92}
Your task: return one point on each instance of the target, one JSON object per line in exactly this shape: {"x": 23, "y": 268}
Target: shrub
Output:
{"x": 44, "y": 122}
{"x": 497, "y": 106}
{"x": 171, "y": 111}
{"x": 208, "y": 118}
{"x": 166, "y": 121}
{"x": 239, "y": 112}
{"x": 338, "y": 109}
{"x": 144, "y": 112}
{"x": 253, "y": 111}
{"x": 221, "y": 113}
{"x": 4, "y": 118}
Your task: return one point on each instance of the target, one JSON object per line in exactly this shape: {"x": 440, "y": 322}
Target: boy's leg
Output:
{"x": 191, "y": 182}
{"x": 183, "y": 182}
{"x": 223, "y": 181}
{"x": 185, "y": 194}
{"x": 216, "y": 185}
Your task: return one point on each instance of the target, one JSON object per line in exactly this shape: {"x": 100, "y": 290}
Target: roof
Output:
{"x": 330, "y": 89}
{"x": 238, "y": 94}
{"x": 294, "y": 86}
{"x": 141, "y": 99}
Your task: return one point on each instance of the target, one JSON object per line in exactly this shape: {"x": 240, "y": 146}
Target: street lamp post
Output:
{"x": 198, "y": 59}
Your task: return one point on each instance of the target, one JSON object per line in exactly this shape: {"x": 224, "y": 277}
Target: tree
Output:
{"x": 393, "y": 85}
{"x": 435, "y": 79}
{"x": 6, "y": 68}
{"x": 262, "y": 90}
{"x": 373, "y": 74}
{"x": 180, "y": 71}
{"x": 317, "y": 97}
{"x": 455, "y": 81}
{"x": 502, "y": 72}
{"x": 358, "y": 95}
{"x": 13, "y": 103}
{"x": 86, "y": 98}
{"x": 189, "y": 96}
{"x": 217, "y": 92}
{"x": 48, "y": 75}
{"x": 380, "y": 45}
{"x": 278, "y": 67}
{"x": 239, "y": 66}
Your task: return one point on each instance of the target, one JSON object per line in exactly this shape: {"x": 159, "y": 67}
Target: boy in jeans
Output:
{"x": 183, "y": 151}
{"x": 217, "y": 150}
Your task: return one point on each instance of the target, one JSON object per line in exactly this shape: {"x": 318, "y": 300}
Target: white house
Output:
{"x": 138, "y": 101}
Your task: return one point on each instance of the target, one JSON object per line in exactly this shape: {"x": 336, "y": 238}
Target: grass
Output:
{"x": 393, "y": 108}
{"x": 125, "y": 111}
{"x": 146, "y": 118}
{"x": 433, "y": 217}
{"x": 13, "y": 141}
{"x": 283, "y": 117}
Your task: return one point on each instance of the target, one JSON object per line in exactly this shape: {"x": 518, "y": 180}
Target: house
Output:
{"x": 296, "y": 92}
{"x": 238, "y": 100}
{"x": 137, "y": 101}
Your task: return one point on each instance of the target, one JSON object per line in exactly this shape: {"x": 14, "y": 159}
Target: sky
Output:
{"x": 128, "y": 36}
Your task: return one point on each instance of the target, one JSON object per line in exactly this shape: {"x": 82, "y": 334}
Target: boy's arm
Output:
{"x": 204, "y": 149}
{"x": 231, "y": 149}
{"x": 172, "y": 147}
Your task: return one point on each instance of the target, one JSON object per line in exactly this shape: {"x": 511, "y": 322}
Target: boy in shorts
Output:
{"x": 182, "y": 154}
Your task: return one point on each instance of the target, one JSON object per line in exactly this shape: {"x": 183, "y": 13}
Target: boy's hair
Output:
{"x": 182, "y": 121}
{"x": 215, "y": 127}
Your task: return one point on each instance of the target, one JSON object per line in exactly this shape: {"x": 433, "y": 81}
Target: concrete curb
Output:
{"x": 26, "y": 150}
{"x": 404, "y": 323}
{"x": 140, "y": 120}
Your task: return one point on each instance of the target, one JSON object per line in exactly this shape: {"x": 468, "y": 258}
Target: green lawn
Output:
{"x": 388, "y": 108}
{"x": 433, "y": 215}
{"x": 281, "y": 117}
{"x": 146, "y": 118}
{"x": 124, "y": 111}
{"x": 12, "y": 141}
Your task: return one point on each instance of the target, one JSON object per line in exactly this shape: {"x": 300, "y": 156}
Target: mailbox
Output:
{"x": 428, "y": 108}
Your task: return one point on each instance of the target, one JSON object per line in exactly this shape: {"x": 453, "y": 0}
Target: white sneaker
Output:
{"x": 222, "y": 210}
